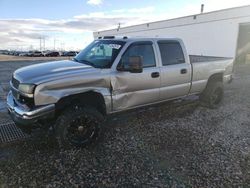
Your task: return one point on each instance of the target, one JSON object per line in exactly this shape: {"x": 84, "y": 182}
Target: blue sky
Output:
{"x": 70, "y": 24}
{"x": 56, "y": 9}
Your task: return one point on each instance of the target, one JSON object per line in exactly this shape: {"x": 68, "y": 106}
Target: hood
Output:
{"x": 43, "y": 72}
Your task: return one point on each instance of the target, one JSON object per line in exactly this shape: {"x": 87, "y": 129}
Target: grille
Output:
{"x": 10, "y": 133}
{"x": 15, "y": 83}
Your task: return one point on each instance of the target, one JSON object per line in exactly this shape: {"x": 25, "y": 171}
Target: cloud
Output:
{"x": 14, "y": 32}
{"x": 26, "y": 31}
{"x": 94, "y": 2}
{"x": 26, "y": 35}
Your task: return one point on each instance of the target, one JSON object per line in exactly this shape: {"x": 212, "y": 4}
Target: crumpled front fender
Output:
{"x": 52, "y": 92}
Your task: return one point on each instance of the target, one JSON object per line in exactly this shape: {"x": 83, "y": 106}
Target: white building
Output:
{"x": 219, "y": 33}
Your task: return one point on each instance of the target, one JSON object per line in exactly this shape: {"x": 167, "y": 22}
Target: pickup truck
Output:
{"x": 73, "y": 97}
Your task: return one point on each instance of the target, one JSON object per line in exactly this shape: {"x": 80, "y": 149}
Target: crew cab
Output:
{"x": 111, "y": 75}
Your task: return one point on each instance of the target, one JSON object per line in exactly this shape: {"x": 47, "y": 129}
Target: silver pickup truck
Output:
{"x": 72, "y": 97}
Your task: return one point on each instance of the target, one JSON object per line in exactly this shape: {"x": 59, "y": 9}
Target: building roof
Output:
{"x": 230, "y": 13}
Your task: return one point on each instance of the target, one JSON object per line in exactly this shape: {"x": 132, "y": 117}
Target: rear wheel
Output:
{"x": 213, "y": 94}
{"x": 78, "y": 126}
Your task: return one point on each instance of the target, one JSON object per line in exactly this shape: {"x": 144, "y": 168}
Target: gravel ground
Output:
{"x": 171, "y": 145}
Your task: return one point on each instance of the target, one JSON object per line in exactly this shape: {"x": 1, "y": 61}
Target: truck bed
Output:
{"x": 205, "y": 66}
{"x": 199, "y": 58}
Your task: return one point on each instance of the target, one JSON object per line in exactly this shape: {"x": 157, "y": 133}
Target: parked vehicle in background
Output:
{"x": 11, "y": 52}
{"x": 70, "y": 53}
{"x": 52, "y": 54}
{"x": 36, "y": 54}
{"x": 29, "y": 53}
{"x": 24, "y": 54}
{"x": 111, "y": 75}
{"x": 16, "y": 53}
{"x": 4, "y": 52}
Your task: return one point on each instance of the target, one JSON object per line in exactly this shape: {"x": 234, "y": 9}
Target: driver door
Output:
{"x": 137, "y": 89}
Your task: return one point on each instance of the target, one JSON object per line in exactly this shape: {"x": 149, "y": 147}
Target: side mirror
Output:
{"x": 134, "y": 65}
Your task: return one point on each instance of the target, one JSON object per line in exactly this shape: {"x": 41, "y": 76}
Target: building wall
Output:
{"x": 213, "y": 33}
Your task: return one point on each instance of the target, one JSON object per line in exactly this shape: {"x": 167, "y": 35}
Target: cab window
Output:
{"x": 143, "y": 49}
{"x": 171, "y": 53}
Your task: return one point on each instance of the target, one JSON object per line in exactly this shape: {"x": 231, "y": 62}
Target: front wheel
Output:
{"x": 213, "y": 94}
{"x": 78, "y": 126}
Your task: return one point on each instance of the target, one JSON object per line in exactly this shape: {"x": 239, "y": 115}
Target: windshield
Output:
{"x": 100, "y": 53}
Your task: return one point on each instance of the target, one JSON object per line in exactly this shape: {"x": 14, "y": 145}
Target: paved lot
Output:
{"x": 174, "y": 145}
{"x": 24, "y": 58}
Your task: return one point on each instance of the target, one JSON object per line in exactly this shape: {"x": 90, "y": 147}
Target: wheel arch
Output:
{"x": 217, "y": 77}
{"x": 90, "y": 98}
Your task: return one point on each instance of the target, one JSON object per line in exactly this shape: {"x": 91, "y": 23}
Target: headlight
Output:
{"x": 26, "y": 88}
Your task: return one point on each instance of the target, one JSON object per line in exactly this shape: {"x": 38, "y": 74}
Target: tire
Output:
{"x": 78, "y": 126}
{"x": 212, "y": 96}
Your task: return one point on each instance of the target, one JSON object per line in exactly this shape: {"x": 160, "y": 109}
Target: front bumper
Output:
{"x": 22, "y": 115}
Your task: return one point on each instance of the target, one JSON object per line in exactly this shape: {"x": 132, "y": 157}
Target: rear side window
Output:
{"x": 171, "y": 53}
{"x": 145, "y": 50}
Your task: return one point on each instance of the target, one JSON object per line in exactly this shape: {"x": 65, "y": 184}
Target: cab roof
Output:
{"x": 139, "y": 38}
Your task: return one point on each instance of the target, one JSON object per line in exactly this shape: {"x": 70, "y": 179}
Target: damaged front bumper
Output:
{"x": 24, "y": 116}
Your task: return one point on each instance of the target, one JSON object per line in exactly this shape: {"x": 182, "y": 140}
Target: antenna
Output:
{"x": 119, "y": 26}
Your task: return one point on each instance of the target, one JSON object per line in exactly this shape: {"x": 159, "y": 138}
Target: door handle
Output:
{"x": 155, "y": 74}
{"x": 183, "y": 71}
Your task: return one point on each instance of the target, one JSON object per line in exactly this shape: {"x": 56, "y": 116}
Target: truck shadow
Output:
{"x": 156, "y": 113}
{"x": 144, "y": 115}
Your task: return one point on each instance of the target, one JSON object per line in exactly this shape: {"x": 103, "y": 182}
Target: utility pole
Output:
{"x": 54, "y": 43}
{"x": 44, "y": 43}
{"x": 40, "y": 38}
{"x": 62, "y": 46}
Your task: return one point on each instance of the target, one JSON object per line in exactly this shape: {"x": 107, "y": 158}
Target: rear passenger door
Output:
{"x": 175, "y": 72}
